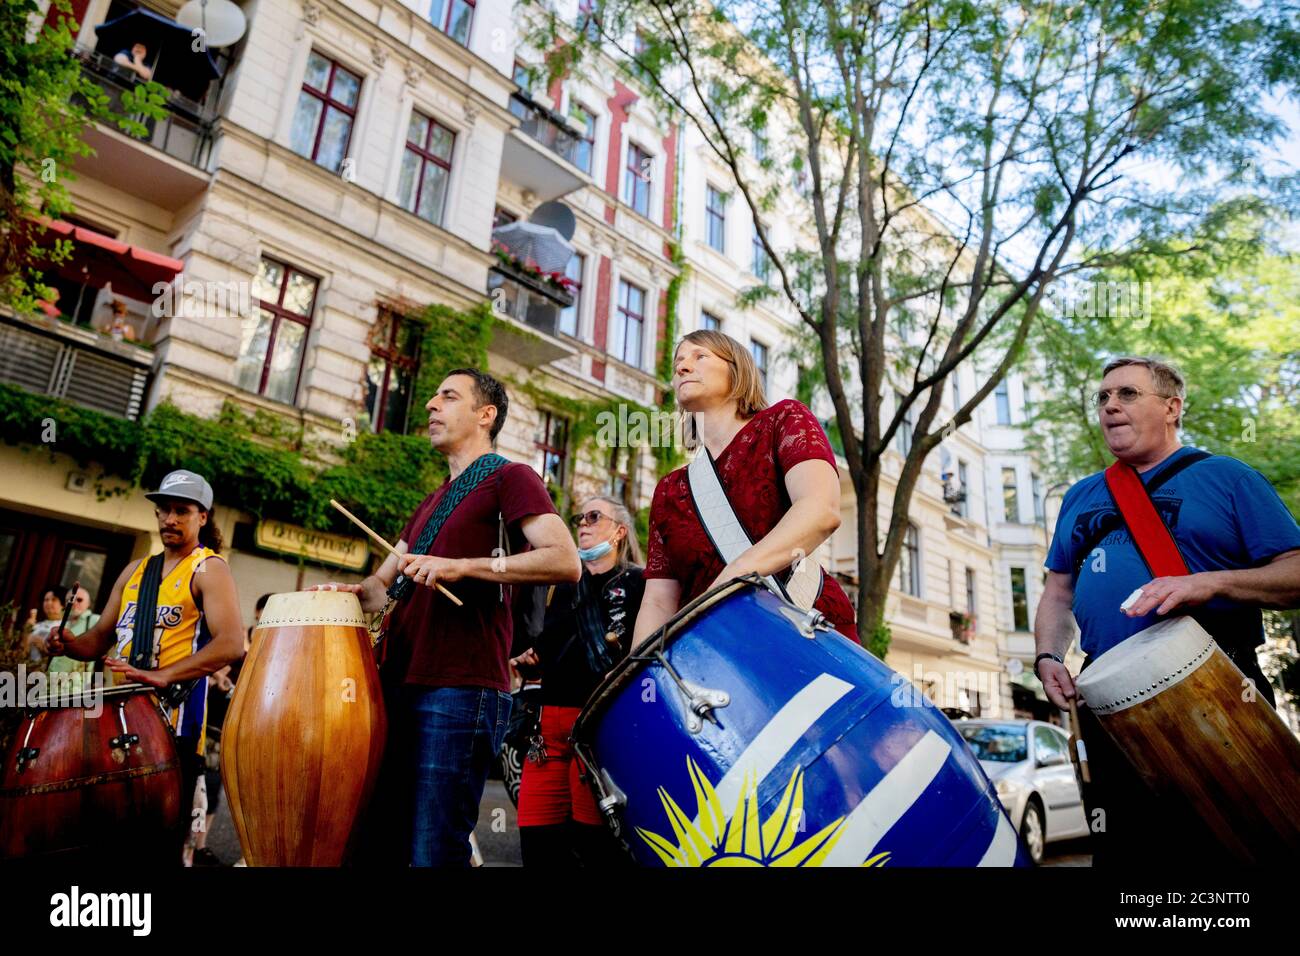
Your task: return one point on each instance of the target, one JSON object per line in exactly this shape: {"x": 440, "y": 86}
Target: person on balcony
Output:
{"x": 134, "y": 60}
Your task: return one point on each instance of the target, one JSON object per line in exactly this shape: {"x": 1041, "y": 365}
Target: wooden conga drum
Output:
{"x": 1185, "y": 717}
{"x": 92, "y": 773}
{"x": 304, "y": 735}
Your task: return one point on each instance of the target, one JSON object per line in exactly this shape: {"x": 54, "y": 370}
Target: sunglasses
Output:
{"x": 587, "y": 517}
{"x": 1126, "y": 394}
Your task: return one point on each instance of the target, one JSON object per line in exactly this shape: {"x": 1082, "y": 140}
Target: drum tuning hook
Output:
{"x": 808, "y": 622}
{"x": 700, "y": 701}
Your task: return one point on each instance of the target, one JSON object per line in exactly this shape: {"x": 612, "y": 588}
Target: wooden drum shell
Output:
{"x": 304, "y": 736}
{"x": 1197, "y": 739}
{"x": 82, "y": 792}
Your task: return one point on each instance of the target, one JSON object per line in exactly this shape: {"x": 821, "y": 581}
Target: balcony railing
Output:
{"x": 527, "y": 299}
{"x": 546, "y": 127}
{"x": 184, "y": 132}
{"x": 75, "y": 364}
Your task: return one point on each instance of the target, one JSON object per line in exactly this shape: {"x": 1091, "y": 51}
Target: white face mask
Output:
{"x": 595, "y": 552}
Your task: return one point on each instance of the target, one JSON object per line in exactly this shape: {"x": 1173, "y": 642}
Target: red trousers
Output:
{"x": 556, "y": 790}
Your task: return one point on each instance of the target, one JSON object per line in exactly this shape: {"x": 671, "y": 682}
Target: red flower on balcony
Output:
{"x": 529, "y": 267}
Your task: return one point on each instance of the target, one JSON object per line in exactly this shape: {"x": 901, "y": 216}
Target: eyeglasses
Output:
{"x": 588, "y": 517}
{"x": 1126, "y": 394}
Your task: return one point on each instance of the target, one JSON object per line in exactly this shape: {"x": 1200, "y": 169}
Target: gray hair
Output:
{"x": 629, "y": 549}
{"x": 1167, "y": 379}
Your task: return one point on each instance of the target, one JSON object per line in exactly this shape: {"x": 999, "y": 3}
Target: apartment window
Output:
{"x": 552, "y": 443}
{"x": 394, "y": 360}
{"x": 758, "y": 143}
{"x": 273, "y": 339}
{"x": 585, "y": 121}
{"x": 502, "y": 217}
{"x": 620, "y": 472}
{"x": 970, "y": 591}
{"x": 715, "y": 218}
{"x": 640, "y": 45}
{"x": 759, "y": 351}
{"x": 909, "y": 563}
{"x": 521, "y": 79}
{"x": 956, "y": 389}
{"x": 426, "y": 167}
{"x": 569, "y": 317}
{"x": 1003, "y": 399}
{"x": 1010, "y": 495}
{"x": 1036, "y": 488}
{"x": 636, "y": 179}
{"x": 1027, "y": 401}
{"x": 588, "y": 21}
{"x": 453, "y": 17}
{"x": 710, "y": 322}
{"x": 327, "y": 108}
{"x": 629, "y": 323}
{"x": 762, "y": 265}
{"x": 1019, "y": 600}
{"x": 903, "y": 440}
{"x": 962, "y": 508}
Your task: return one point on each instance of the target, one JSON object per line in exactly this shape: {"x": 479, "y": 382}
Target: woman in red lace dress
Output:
{"x": 777, "y": 468}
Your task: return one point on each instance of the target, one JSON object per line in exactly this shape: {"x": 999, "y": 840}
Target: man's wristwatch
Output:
{"x": 1040, "y": 657}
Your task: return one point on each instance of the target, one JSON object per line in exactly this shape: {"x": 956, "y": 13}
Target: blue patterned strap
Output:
{"x": 482, "y": 468}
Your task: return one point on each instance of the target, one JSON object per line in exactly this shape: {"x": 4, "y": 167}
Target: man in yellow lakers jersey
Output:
{"x": 188, "y": 594}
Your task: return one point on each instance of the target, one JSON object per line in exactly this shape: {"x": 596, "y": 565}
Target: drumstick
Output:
{"x": 1075, "y": 739}
{"x": 391, "y": 550}
{"x": 70, "y": 597}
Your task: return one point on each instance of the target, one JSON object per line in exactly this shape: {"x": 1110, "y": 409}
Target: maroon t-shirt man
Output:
{"x": 752, "y": 469}
{"x": 436, "y": 643}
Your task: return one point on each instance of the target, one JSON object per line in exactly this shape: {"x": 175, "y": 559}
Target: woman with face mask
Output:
{"x": 587, "y": 630}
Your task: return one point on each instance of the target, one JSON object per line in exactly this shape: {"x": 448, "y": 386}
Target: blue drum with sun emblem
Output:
{"x": 747, "y": 732}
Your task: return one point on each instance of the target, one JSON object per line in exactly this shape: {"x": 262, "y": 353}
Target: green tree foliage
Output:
{"x": 954, "y": 160}
{"x": 45, "y": 103}
{"x": 1235, "y": 336}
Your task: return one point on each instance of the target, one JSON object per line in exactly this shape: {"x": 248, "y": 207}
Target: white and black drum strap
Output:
{"x": 729, "y": 537}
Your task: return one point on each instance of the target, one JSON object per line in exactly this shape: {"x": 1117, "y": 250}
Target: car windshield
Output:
{"x": 1001, "y": 742}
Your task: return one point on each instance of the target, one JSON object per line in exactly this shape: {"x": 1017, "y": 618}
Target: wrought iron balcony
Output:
{"x": 542, "y": 154}
{"x": 183, "y": 133}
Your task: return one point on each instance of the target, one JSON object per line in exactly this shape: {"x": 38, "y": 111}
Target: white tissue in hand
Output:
{"x": 1131, "y": 600}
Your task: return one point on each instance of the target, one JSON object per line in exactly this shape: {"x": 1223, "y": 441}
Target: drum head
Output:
{"x": 1150, "y": 661}
{"x": 86, "y": 696}
{"x": 312, "y": 608}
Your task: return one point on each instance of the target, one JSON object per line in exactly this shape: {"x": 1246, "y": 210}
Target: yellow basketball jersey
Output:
{"x": 178, "y": 632}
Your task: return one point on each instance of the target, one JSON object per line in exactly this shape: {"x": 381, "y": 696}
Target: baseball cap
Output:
{"x": 184, "y": 484}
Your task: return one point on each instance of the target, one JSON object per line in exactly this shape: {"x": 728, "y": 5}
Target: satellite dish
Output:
{"x": 221, "y": 21}
{"x": 557, "y": 216}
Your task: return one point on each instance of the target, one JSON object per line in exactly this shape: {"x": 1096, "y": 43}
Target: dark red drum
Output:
{"x": 92, "y": 773}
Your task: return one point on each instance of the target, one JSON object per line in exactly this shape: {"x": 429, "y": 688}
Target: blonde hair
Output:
{"x": 746, "y": 383}
{"x": 629, "y": 549}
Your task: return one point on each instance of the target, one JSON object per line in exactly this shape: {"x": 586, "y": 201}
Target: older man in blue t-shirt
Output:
{"x": 1240, "y": 543}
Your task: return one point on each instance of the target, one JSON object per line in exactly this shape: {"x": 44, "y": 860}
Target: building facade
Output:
{"x": 352, "y": 166}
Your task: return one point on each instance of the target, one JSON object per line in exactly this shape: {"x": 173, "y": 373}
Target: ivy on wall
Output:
{"x": 670, "y": 456}
{"x": 451, "y": 339}
{"x": 261, "y": 463}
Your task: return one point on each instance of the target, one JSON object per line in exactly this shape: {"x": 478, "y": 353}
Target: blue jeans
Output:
{"x": 457, "y": 734}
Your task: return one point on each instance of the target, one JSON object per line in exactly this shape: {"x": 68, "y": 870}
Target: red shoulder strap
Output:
{"x": 1149, "y": 531}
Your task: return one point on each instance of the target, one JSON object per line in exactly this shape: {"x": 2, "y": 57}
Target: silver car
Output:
{"x": 1028, "y": 762}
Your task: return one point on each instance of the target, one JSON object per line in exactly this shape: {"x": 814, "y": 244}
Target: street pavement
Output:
{"x": 498, "y": 835}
